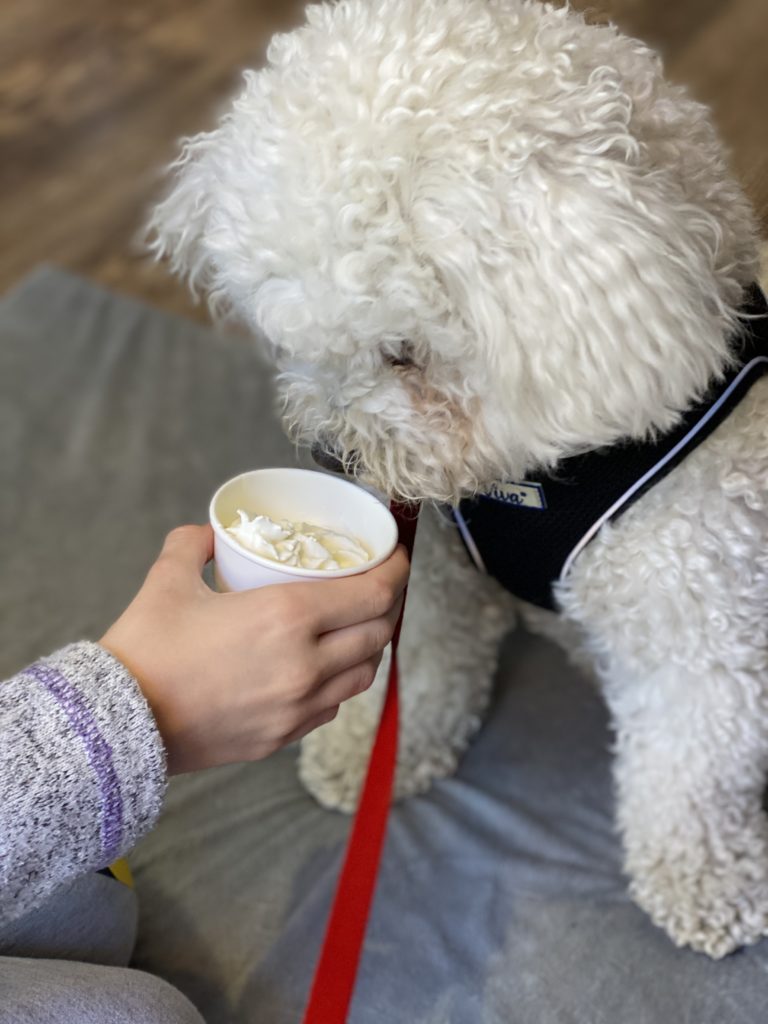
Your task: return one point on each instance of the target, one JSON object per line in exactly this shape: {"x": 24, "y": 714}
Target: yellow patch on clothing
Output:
{"x": 122, "y": 872}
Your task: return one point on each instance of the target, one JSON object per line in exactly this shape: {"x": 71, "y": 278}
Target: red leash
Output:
{"x": 336, "y": 970}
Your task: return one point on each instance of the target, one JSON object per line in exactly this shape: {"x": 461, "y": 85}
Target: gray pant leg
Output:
{"x": 93, "y": 919}
{"x": 64, "y": 992}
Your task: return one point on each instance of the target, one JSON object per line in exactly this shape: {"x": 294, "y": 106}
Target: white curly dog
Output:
{"x": 479, "y": 237}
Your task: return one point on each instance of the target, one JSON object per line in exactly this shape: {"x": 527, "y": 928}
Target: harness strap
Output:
{"x": 528, "y": 535}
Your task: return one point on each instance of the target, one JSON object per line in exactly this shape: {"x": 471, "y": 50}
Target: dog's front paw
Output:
{"x": 715, "y": 903}
{"x": 332, "y": 765}
{"x": 334, "y": 761}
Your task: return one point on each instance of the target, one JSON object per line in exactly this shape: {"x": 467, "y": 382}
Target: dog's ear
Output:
{"x": 179, "y": 226}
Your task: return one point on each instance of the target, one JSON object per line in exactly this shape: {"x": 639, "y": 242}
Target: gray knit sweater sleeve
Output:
{"x": 82, "y": 772}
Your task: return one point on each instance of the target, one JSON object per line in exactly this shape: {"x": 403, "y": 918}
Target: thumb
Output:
{"x": 187, "y": 550}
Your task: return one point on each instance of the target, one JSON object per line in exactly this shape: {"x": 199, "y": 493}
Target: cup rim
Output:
{"x": 296, "y": 570}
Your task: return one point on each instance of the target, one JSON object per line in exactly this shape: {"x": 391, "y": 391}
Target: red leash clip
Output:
{"x": 336, "y": 971}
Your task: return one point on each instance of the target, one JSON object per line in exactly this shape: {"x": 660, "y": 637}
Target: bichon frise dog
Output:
{"x": 487, "y": 243}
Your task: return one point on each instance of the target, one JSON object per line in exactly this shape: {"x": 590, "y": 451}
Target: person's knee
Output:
{"x": 65, "y": 992}
{"x": 143, "y": 997}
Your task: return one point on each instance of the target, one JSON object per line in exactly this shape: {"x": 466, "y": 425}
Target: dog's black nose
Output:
{"x": 326, "y": 458}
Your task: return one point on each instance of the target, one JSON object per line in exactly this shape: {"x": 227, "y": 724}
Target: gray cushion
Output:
{"x": 501, "y": 897}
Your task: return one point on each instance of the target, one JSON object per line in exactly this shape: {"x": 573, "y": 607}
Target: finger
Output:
{"x": 313, "y": 723}
{"x": 344, "y": 686}
{"x": 352, "y": 599}
{"x": 344, "y": 648}
{"x": 186, "y": 551}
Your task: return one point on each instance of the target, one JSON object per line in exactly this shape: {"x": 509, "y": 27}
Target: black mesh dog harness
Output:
{"x": 528, "y": 535}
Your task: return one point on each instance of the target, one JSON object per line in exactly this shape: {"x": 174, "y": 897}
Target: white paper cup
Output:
{"x": 298, "y": 495}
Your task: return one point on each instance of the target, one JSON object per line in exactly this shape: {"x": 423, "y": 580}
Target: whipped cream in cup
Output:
{"x": 299, "y": 497}
{"x": 304, "y": 544}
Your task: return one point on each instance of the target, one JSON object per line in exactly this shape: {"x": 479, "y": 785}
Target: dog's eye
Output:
{"x": 400, "y": 356}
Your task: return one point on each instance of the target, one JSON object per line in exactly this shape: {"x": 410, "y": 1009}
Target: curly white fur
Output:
{"x": 519, "y": 197}
{"x": 480, "y": 236}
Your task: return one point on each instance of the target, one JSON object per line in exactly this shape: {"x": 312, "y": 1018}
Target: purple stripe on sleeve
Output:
{"x": 97, "y": 749}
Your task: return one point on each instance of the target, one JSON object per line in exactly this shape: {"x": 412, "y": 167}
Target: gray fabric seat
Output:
{"x": 56, "y": 991}
{"x": 501, "y": 897}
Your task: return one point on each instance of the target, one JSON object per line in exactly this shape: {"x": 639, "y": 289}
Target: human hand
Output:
{"x": 234, "y": 677}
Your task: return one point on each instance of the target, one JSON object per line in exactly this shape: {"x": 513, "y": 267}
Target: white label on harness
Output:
{"x": 523, "y": 495}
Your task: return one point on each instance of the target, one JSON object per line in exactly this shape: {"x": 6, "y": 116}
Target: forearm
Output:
{"x": 82, "y": 772}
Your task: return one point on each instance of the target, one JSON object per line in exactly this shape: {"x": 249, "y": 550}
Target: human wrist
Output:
{"x": 145, "y": 681}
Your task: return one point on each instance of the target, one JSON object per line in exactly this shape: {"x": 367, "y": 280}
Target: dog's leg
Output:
{"x": 454, "y": 622}
{"x": 690, "y": 771}
{"x": 675, "y": 601}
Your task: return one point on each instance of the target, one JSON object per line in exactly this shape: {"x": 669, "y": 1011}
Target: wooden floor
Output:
{"x": 93, "y": 95}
